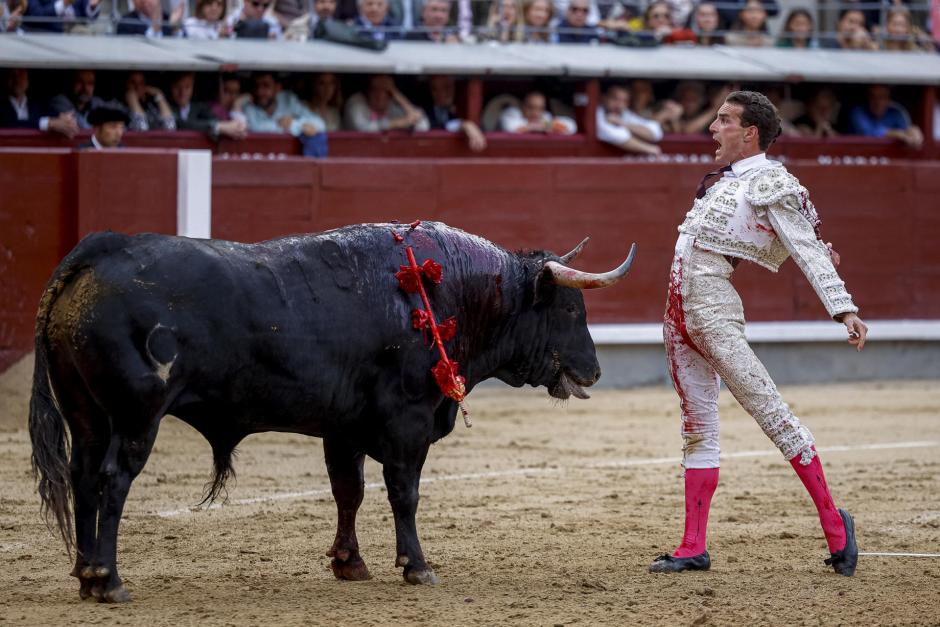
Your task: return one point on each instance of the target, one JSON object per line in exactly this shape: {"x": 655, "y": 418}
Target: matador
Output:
{"x": 752, "y": 209}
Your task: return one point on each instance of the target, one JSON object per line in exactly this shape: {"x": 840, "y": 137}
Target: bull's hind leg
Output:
{"x": 88, "y": 451}
{"x": 345, "y": 468}
{"x": 127, "y": 454}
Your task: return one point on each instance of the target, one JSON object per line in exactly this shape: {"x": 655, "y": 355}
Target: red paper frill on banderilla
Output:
{"x": 445, "y": 372}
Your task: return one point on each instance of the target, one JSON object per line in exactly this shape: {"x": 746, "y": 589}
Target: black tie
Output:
{"x": 710, "y": 179}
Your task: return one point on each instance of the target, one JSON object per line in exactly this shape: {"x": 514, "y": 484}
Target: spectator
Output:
{"x": 272, "y": 109}
{"x": 382, "y": 108}
{"x": 373, "y": 19}
{"x": 504, "y": 23}
{"x": 697, "y": 111}
{"x": 11, "y": 16}
{"x": 574, "y": 28}
{"x": 623, "y": 128}
{"x": 442, "y": 113}
{"x": 230, "y": 89}
{"x": 149, "y": 19}
{"x": 658, "y": 21}
{"x": 900, "y": 34}
{"x": 81, "y": 100}
{"x": 705, "y": 23}
{"x": 680, "y": 11}
{"x": 730, "y": 9}
{"x": 534, "y": 118}
{"x": 787, "y": 108}
{"x": 622, "y": 16}
{"x": 643, "y": 102}
{"x": 435, "y": 14}
{"x": 52, "y": 14}
{"x": 327, "y": 100}
{"x": 148, "y": 107}
{"x": 108, "y": 123}
{"x": 822, "y": 110}
{"x": 323, "y": 11}
{"x": 253, "y": 23}
{"x": 18, "y": 111}
{"x": 797, "y": 31}
{"x": 880, "y": 117}
{"x": 286, "y": 11}
{"x": 593, "y": 15}
{"x": 198, "y": 116}
{"x": 750, "y": 29}
{"x": 404, "y": 13}
{"x": 537, "y": 16}
{"x": 209, "y": 21}
{"x": 851, "y": 33}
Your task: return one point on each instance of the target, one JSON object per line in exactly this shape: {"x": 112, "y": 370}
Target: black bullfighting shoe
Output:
{"x": 844, "y": 561}
{"x": 668, "y": 564}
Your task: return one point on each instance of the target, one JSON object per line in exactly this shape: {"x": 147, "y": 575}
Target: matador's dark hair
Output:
{"x": 757, "y": 110}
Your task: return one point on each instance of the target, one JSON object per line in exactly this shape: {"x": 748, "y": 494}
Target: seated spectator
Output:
{"x": 405, "y": 14}
{"x": 787, "y": 108}
{"x": 537, "y": 16}
{"x": 643, "y": 103}
{"x": 533, "y": 117}
{"x": 797, "y": 31}
{"x": 574, "y": 28}
{"x": 198, "y": 116}
{"x": 373, "y": 19}
{"x": 81, "y": 100}
{"x": 149, "y": 108}
{"x": 900, "y": 34}
{"x": 504, "y": 22}
{"x": 209, "y": 21}
{"x": 822, "y": 111}
{"x": 618, "y": 125}
{"x": 253, "y": 23}
{"x": 705, "y": 23}
{"x": 657, "y": 20}
{"x": 323, "y": 11}
{"x": 271, "y": 109}
{"x": 11, "y": 16}
{"x": 435, "y": 15}
{"x": 230, "y": 89}
{"x": 383, "y": 108}
{"x": 108, "y": 123}
{"x": 149, "y": 19}
{"x": 730, "y": 9}
{"x": 621, "y": 16}
{"x": 18, "y": 111}
{"x": 286, "y": 11}
{"x": 750, "y": 28}
{"x": 698, "y": 112}
{"x": 851, "y": 33}
{"x": 51, "y": 15}
{"x": 442, "y": 113}
{"x": 327, "y": 100}
{"x": 881, "y": 117}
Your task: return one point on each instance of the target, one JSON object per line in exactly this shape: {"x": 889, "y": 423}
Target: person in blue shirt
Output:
{"x": 881, "y": 117}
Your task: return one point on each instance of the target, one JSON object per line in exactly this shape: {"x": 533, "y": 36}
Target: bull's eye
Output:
{"x": 572, "y": 310}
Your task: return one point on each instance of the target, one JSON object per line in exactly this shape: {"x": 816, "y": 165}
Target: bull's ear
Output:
{"x": 544, "y": 287}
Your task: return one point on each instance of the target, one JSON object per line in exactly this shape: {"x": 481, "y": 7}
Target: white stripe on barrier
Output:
{"x": 194, "y": 193}
{"x": 514, "y": 472}
{"x": 779, "y": 332}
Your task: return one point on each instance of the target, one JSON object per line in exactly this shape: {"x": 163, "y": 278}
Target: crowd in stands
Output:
{"x": 879, "y": 24}
{"x": 632, "y": 115}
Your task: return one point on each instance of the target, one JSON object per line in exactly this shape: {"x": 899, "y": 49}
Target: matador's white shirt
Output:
{"x": 759, "y": 212}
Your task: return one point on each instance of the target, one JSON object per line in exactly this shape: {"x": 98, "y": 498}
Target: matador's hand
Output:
{"x": 857, "y": 329}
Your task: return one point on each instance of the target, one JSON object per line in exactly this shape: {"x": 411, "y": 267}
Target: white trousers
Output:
{"x": 703, "y": 332}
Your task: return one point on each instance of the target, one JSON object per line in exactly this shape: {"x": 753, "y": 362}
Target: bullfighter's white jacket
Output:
{"x": 759, "y": 212}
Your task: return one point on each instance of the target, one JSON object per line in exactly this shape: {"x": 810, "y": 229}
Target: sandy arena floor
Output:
{"x": 541, "y": 514}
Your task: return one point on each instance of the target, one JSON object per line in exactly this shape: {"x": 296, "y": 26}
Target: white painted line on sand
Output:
{"x": 870, "y": 554}
{"x": 515, "y": 472}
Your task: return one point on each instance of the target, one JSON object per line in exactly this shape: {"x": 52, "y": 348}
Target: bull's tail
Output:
{"x": 50, "y": 457}
{"x": 222, "y": 454}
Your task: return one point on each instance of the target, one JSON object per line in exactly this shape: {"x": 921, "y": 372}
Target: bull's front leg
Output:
{"x": 344, "y": 464}
{"x": 406, "y": 448}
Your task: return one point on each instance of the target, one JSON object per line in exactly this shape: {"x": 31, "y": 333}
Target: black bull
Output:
{"x": 307, "y": 334}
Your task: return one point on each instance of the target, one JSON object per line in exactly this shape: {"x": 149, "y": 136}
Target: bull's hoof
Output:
{"x": 118, "y": 594}
{"x": 421, "y": 576}
{"x": 352, "y": 569}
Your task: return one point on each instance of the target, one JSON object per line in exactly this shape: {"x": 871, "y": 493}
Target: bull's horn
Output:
{"x": 563, "y": 275}
{"x": 566, "y": 259}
